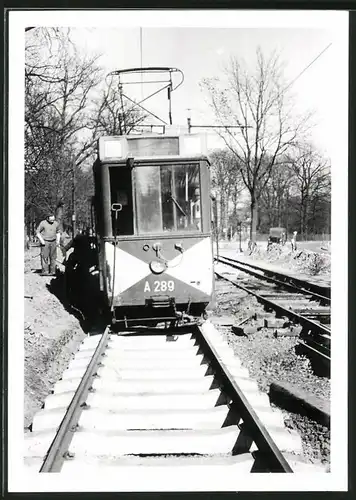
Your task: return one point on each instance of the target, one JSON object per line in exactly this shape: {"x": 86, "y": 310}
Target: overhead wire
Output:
{"x": 303, "y": 71}
{"x": 306, "y": 68}
{"x": 287, "y": 87}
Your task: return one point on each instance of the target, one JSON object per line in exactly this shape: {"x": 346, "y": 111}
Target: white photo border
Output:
{"x": 165, "y": 479}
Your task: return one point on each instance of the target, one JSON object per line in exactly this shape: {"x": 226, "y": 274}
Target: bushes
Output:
{"x": 303, "y": 261}
{"x": 313, "y": 263}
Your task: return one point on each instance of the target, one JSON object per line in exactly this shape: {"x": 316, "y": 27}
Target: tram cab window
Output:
{"x": 149, "y": 208}
{"x": 121, "y": 192}
{"x": 168, "y": 198}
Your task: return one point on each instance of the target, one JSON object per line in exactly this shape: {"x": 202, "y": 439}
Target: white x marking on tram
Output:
{"x": 193, "y": 267}
{"x": 129, "y": 269}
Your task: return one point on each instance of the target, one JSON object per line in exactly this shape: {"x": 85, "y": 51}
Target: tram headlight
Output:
{"x": 192, "y": 145}
{"x": 157, "y": 267}
{"x": 111, "y": 148}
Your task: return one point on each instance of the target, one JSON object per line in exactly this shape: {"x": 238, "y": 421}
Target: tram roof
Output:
{"x": 171, "y": 146}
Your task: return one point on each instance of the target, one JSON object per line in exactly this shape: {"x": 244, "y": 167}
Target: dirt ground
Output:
{"x": 51, "y": 335}
{"x": 313, "y": 265}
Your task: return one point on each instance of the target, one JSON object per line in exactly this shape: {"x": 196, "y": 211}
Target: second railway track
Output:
{"x": 172, "y": 397}
{"x": 301, "y": 302}
{"x": 319, "y": 292}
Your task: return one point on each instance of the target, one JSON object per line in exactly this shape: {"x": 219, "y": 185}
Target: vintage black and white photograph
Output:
{"x": 181, "y": 181}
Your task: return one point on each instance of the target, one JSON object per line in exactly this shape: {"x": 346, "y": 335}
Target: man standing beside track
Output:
{"x": 294, "y": 241}
{"x": 49, "y": 237}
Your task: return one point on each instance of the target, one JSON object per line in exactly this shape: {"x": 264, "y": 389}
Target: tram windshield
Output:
{"x": 168, "y": 198}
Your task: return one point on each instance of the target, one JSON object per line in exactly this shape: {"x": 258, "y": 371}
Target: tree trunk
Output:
{"x": 304, "y": 217}
{"x": 222, "y": 213}
{"x": 254, "y": 217}
{"x": 279, "y": 213}
{"x": 286, "y": 213}
{"x": 26, "y": 240}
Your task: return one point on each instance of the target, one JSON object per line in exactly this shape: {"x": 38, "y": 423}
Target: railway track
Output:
{"x": 318, "y": 292}
{"x": 302, "y": 303}
{"x": 159, "y": 396}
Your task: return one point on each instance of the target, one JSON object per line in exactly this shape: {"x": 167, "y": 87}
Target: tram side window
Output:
{"x": 168, "y": 199}
{"x": 121, "y": 192}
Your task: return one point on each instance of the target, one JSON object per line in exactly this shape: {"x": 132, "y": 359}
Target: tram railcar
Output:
{"x": 153, "y": 226}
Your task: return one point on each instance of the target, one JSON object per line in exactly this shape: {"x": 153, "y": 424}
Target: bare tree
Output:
{"x": 313, "y": 184}
{"x": 256, "y": 102}
{"x": 274, "y": 199}
{"x": 227, "y": 182}
{"x": 58, "y": 135}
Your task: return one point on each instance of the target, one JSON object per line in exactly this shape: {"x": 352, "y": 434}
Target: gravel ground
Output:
{"x": 271, "y": 359}
{"x": 51, "y": 336}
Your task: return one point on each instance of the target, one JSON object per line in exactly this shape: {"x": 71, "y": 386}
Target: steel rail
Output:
{"x": 302, "y": 320}
{"x": 310, "y": 313}
{"x": 316, "y": 351}
{"x": 266, "y": 445}
{"x": 300, "y": 285}
{"x": 58, "y": 449}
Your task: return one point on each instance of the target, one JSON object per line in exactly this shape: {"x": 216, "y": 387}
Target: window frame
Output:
{"x": 158, "y": 164}
{"x": 111, "y": 168}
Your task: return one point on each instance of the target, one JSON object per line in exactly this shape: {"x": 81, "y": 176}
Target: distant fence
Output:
{"x": 264, "y": 237}
{"x": 305, "y": 237}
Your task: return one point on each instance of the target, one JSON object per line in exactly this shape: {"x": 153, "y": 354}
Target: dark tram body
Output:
{"x": 153, "y": 226}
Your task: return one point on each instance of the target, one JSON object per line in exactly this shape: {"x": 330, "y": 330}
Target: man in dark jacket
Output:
{"x": 49, "y": 237}
{"x": 82, "y": 274}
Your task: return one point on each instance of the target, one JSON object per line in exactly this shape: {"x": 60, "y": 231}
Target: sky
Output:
{"x": 205, "y": 52}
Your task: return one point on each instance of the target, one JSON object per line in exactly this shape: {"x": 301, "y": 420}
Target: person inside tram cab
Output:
{"x": 195, "y": 209}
